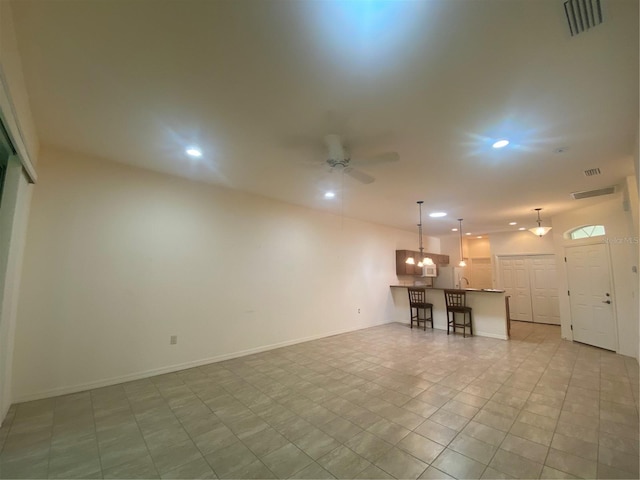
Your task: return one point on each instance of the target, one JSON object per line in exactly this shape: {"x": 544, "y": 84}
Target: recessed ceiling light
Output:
{"x": 513, "y": 223}
{"x": 479, "y": 236}
{"x": 329, "y": 195}
{"x": 522, "y": 228}
{"x": 454, "y": 229}
{"x": 500, "y": 144}
{"x": 194, "y": 152}
{"x": 468, "y": 233}
{"x": 437, "y": 214}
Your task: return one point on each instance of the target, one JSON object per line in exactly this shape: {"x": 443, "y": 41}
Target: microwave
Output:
{"x": 430, "y": 271}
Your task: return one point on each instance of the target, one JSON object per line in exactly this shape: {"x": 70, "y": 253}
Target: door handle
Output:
{"x": 606, "y": 301}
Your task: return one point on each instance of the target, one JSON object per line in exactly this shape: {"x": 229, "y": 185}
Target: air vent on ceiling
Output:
{"x": 591, "y": 172}
{"x": 582, "y": 15}
{"x": 593, "y": 193}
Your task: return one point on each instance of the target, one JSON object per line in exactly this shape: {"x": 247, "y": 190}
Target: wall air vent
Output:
{"x": 591, "y": 172}
{"x": 593, "y": 193}
{"x": 582, "y": 15}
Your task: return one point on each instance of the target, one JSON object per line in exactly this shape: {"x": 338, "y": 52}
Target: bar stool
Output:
{"x": 418, "y": 301}
{"x": 456, "y": 301}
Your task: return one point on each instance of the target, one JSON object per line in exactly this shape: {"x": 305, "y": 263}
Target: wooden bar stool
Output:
{"x": 456, "y": 301}
{"x": 418, "y": 301}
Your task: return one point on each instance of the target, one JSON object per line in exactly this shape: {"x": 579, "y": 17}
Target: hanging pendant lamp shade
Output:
{"x": 462, "y": 262}
{"x": 539, "y": 230}
{"x": 422, "y": 260}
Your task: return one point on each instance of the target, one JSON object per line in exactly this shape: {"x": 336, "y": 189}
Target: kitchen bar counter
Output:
{"x": 489, "y": 313}
{"x": 426, "y": 287}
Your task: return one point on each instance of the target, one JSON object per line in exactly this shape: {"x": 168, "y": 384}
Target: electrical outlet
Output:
{"x": 173, "y": 340}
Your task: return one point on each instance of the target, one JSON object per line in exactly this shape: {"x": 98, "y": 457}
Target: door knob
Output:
{"x": 606, "y": 301}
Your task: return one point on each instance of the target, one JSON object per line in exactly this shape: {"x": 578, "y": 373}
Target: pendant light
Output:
{"x": 422, "y": 260}
{"x": 539, "y": 230}
{"x": 462, "y": 262}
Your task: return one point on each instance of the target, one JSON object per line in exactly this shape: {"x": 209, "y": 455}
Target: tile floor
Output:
{"x": 384, "y": 402}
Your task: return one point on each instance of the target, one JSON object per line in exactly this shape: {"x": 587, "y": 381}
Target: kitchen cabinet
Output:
{"x": 403, "y": 268}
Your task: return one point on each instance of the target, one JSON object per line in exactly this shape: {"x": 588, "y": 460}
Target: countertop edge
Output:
{"x": 471, "y": 290}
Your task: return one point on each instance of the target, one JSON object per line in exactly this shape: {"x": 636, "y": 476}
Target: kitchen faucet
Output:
{"x": 466, "y": 280}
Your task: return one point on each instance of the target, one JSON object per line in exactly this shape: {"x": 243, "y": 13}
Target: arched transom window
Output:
{"x": 587, "y": 231}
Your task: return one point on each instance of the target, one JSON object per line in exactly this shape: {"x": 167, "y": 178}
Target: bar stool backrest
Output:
{"x": 455, "y": 298}
{"x": 417, "y": 295}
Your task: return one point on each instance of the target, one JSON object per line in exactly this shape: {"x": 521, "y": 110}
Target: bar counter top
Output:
{"x": 483, "y": 290}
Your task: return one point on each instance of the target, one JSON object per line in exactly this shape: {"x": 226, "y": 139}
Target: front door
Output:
{"x": 590, "y": 296}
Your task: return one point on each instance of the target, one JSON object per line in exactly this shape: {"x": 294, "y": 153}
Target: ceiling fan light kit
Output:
{"x": 539, "y": 230}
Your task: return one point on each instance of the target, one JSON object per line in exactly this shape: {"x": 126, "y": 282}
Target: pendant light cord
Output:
{"x": 420, "y": 231}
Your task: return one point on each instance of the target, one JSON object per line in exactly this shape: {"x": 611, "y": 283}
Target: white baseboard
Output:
{"x": 177, "y": 367}
{"x": 491, "y": 335}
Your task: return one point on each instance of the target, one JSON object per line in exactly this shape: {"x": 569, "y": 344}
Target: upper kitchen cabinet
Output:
{"x": 403, "y": 268}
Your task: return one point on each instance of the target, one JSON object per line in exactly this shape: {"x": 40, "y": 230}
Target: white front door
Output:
{"x": 590, "y": 296}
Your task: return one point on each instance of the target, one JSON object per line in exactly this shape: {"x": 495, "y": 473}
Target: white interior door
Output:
{"x": 515, "y": 281}
{"x": 590, "y": 296}
{"x": 544, "y": 289}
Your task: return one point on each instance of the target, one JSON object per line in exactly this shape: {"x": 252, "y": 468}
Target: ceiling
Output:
{"x": 257, "y": 84}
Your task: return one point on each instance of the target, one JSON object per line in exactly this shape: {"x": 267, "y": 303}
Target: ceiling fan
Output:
{"x": 340, "y": 160}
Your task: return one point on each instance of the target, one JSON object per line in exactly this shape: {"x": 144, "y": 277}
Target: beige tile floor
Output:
{"x": 378, "y": 403}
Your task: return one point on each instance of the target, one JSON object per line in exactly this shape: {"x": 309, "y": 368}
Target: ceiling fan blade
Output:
{"x": 359, "y": 175}
{"x": 377, "y": 159}
{"x": 334, "y": 145}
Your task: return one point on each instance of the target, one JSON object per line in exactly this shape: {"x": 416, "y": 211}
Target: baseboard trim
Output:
{"x": 55, "y": 392}
{"x": 491, "y": 335}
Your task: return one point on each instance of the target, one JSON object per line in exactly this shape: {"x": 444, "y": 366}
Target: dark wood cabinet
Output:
{"x": 403, "y": 268}
{"x": 441, "y": 259}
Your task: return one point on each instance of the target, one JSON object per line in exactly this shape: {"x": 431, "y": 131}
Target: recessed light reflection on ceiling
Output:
{"x": 437, "y": 214}
{"x": 513, "y": 223}
{"x": 468, "y": 233}
{"x": 454, "y": 229}
{"x": 377, "y": 30}
{"x": 522, "y": 228}
{"x": 194, "y": 152}
{"x": 479, "y": 236}
{"x": 500, "y": 143}
{"x": 329, "y": 195}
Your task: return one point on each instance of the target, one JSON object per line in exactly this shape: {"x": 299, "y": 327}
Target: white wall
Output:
{"x": 450, "y": 245}
{"x": 521, "y": 243}
{"x": 119, "y": 259}
{"x": 477, "y": 247}
{"x": 623, "y": 248}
